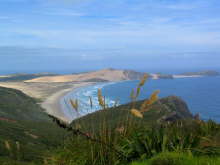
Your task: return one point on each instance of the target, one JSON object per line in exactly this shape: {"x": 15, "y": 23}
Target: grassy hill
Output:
{"x": 115, "y": 136}
{"x": 166, "y": 109}
{"x": 167, "y": 134}
{"x": 26, "y": 129}
{"x": 16, "y": 105}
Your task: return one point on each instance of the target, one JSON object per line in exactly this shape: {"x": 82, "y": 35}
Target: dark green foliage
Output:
{"x": 173, "y": 158}
{"x": 169, "y": 108}
{"x": 114, "y": 136}
{"x": 15, "y": 105}
{"x": 109, "y": 137}
{"x": 181, "y": 136}
{"x": 23, "y": 123}
{"x": 139, "y": 142}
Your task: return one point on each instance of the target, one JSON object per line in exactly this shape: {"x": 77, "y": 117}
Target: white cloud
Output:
{"x": 64, "y": 13}
{"x": 181, "y": 7}
{"x": 210, "y": 21}
{"x": 165, "y": 35}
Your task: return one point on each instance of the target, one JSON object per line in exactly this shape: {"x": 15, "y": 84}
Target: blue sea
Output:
{"x": 202, "y": 94}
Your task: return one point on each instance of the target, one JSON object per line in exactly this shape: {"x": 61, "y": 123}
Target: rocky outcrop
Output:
{"x": 133, "y": 75}
{"x": 175, "y": 107}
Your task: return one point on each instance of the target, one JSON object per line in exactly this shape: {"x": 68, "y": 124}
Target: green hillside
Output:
{"x": 16, "y": 105}
{"x": 167, "y": 134}
{"x": 166, "y": 109}
{"x": 23, "y": 123}
{"x": 116, "y": 137}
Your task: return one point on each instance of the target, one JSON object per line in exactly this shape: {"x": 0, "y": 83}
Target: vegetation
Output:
{"x": 174, "y": 158}
{"x": 202, "y": 73}
{"x": 23, "y": 77}
{"x": 26, "y": 132}
{"x": 15, "y": 105}
{"x": 153, "y": 131}
{"x": 122, "y": 144}
{"x": 143, "y": 131}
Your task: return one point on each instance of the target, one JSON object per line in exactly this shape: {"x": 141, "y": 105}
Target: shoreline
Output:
{"x": 53, "y": 106}
{"x": 67, "y": 109}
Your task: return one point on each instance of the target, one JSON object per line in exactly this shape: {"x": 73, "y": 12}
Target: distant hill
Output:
{"x": 104, "y": 75}
{"x": 161, "y": 76}
{"x": 23, "y": 77}
{"x": 202, "y": 73}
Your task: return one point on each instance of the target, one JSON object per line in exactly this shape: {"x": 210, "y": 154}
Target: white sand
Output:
{"x": 105, "y": 74}
{"x": 4, "y": 76}
{"x": 155, "y": 76}
{"x": 52, "y": 103}
{"x": 53, "y": 107}
{"x": 49, "y": 93}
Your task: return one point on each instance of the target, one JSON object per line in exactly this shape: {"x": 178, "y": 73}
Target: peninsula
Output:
{"x": 50, "y": 88}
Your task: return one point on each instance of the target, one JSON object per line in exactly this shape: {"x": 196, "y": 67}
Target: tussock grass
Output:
{"x": 153, "y": 131}
{"x": 137, "y": 131}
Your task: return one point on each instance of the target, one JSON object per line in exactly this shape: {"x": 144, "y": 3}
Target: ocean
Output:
{"x": 202, "y": 94}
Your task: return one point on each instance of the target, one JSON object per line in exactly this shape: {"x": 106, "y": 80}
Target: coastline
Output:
{"x": 52, "y": 104}
{"x": 67, "y": 110}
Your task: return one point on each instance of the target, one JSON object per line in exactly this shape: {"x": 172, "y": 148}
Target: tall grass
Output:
{"x": 174, "y": 158}
{"x": 110, "y": 142}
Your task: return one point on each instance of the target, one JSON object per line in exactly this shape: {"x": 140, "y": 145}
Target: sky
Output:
{"x": 79, "y": 35}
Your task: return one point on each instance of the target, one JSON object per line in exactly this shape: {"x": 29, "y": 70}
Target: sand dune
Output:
{"x": 50, "y": 89}
{"x": 49, "y": 93}
{"x": 106, "y": 74}
{"x": 38, "y": 90}
{"x": 4, "y": 76}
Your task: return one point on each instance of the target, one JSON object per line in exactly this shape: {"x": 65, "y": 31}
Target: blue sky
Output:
{"x": 109, "y": 33}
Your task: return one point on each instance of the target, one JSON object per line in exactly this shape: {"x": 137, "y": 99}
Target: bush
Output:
{"x": 196, "y": 137}
{"x": 179, "y": 159}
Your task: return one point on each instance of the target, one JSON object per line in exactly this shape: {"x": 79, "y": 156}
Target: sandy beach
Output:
{"x": 49, "y": 94}
{"x": 52, "y": 103}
